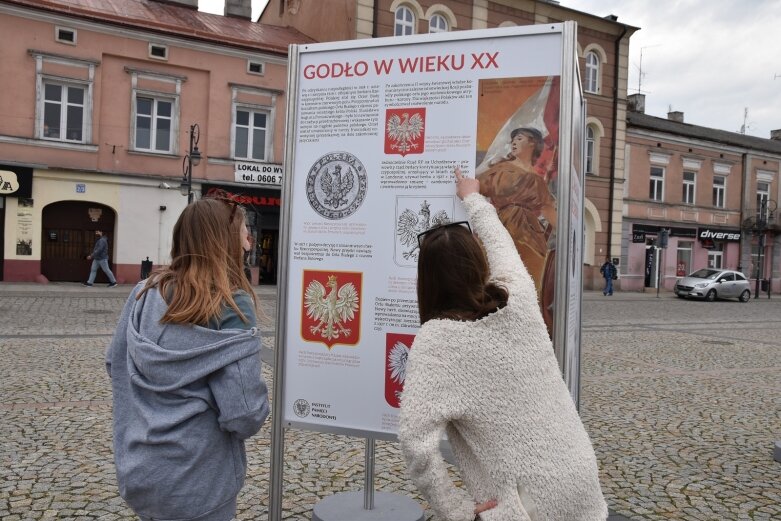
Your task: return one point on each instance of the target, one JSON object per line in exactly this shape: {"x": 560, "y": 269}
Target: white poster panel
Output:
{"x": 378, "y": 128}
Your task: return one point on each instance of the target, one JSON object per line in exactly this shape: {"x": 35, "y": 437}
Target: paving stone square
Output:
{"x": 682, "y": 401}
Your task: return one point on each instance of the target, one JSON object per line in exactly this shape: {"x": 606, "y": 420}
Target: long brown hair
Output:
{"x": 453, "y": 277}
{"x": 207, "y": 263}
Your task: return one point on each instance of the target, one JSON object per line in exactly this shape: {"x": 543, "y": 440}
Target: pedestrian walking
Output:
{"x": 482, "y": 369}
{"x": 608, "y": 270}
{"x": 99, "y": 258}
{"x": 185, "y": 373}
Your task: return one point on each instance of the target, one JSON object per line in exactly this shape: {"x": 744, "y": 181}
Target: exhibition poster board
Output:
{"x": 375, "y": 130}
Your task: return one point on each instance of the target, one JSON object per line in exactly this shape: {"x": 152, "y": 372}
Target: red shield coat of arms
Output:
{"x": 331, "y": 307}
{"x": 397, "y": 348}
{"x": 405, "y": 131}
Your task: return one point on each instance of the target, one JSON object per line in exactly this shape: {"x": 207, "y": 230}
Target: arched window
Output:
{"x": 405, "y": 21}
{"x": 591, "y": 142}
{"x": 437, "y": 24}
{"x": 592, "y": 72}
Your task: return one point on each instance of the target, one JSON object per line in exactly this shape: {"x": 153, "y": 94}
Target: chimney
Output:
{"x": 637, "y": 103}
{"x": 676, "y": 116}
{"x": 775, "y": 135}
{"x": 192, "y": 4}
{"x": 239, "y": 9}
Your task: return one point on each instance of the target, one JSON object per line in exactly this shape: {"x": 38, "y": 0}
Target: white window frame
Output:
{"x": 64, "y": 104}
{"x": 689, "y": 195}
{"x": 252, "y": 110}
{"x": 592, "y": 69}
{"x": 153, "y": 45}
{"x": 763, "y": 194}
{"x": 684, "y": 253}
{"x": 269, "y": 109}
{"x": 716, "y": 256}
{"x": 719, "y": 191}
{"x": 173, "y": 97}
{"x": 656, "y": 185}
{"x": 402, "y": 24}
{"x": 438, "y": 24}
{"x": 57, "y": 33}
{"x": 42, "y": 79}
{"x": 591, "y": 148}
{"x": 155, "y": 119}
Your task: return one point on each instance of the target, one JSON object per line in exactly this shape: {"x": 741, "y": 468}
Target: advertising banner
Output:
{"x": 376, "y": 129}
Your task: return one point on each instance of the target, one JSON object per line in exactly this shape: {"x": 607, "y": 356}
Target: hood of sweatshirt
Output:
{"x": 166, "y": 357}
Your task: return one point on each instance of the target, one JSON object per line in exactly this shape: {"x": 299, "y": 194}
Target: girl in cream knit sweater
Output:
{"x": 482, "y": 369}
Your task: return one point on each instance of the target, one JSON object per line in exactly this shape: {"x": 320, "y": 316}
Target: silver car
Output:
{"x": 711, "y": 284}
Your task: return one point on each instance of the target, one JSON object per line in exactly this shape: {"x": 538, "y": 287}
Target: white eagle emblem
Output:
{"x": 332, "y": 311}
{"x": 336, "y": 186}
{"x": 397, "y": 364}
{"x": 410, "y": 225}
{"x": 404, "y": 130}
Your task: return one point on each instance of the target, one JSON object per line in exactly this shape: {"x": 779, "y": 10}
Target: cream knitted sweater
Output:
{"x": 494, "y": 386}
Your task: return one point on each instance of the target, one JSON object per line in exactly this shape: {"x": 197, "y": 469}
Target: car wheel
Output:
{"x": 711, "y": 296}
{"x": 745, "y": 296}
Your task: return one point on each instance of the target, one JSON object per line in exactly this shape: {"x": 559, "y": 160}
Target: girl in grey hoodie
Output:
{"x": 185, "y": 373}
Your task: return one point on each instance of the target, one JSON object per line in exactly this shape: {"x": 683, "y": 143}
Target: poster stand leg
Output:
{"x": 376, "y": 506}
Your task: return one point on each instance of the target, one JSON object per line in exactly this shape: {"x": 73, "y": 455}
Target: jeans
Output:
{"x": 104, "y": 266}
{"x": 608, "y": 286}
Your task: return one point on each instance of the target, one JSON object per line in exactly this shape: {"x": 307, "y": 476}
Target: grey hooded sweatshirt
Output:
{"x": 185, "y": 398}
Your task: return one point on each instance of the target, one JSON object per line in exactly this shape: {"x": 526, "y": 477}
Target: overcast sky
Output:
{"x": 710, "y": 59}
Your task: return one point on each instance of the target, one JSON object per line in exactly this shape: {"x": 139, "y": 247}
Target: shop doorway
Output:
{"x": 69, "y": 236}
{"x": 650, "y": 266}
{"x": 267, "y": 256}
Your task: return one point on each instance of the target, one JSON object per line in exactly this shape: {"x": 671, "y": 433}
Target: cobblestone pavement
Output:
{"x": 681, "y": 399}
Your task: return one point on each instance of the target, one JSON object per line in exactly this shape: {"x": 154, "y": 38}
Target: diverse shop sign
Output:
{"x": 706, "y": 234}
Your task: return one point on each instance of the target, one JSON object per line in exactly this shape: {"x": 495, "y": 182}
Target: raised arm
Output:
{"x": 503, "y": 259}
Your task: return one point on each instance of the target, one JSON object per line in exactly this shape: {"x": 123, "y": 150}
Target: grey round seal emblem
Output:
{"x": 301, "y": 408}
{"x": 336, "y": 185}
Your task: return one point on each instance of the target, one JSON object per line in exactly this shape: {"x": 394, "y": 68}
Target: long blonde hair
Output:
{"x": 207, "y": 263}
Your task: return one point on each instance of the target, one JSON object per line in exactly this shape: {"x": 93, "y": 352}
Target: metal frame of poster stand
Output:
{"x": 368, "y": 504}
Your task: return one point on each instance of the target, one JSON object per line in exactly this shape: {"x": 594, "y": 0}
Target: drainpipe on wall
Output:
{"x": 743, "y": 216}
{"x": 374, "y": 18}
{"x": 613, "y": 146}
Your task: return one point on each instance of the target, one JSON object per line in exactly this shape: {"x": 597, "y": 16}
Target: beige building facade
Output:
{"x": 103, "y": 102}
{"x": 603, "y": 48}
{"x": 715, "y": 191}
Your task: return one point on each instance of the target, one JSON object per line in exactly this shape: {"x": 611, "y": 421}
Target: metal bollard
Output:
{"x": 146, "y": 268}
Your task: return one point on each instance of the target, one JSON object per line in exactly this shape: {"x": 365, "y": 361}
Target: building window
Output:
{"x": 688, "y": 187}
{"x": 656, "y": 192}
{"x": 154, "y": 120}
{"x": 763, "y": 194}
{"x": 158, "y": 52}
{"x": 63, "y": 111}
{"x": 684, "y": 258}
{"x": 716, "y": 255}
{"x": 405, "y": 22}
{"x": 65, "y": 35}
{"x": 255, "y": 67}
{"x": 437, "y": 24}
{"x": 251, "y": 134}
{"x": 590, "y": 149}
{"x": 719, "y": 189}
{"x": 592, "y": 72}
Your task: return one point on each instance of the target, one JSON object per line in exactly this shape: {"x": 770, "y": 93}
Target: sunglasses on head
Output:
{"x": 422, "y": 235}
{"x": 224, "y": 197}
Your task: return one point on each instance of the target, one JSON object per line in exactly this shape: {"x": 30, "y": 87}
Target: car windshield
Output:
{"x": 705, "y": 274}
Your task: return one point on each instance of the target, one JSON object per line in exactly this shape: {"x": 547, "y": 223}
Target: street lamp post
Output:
{"x": 192, "y": 159}
{"x": 758, "y": 225}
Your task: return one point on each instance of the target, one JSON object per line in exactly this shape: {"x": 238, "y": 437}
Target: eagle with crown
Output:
{"x": 332, "y": 307}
